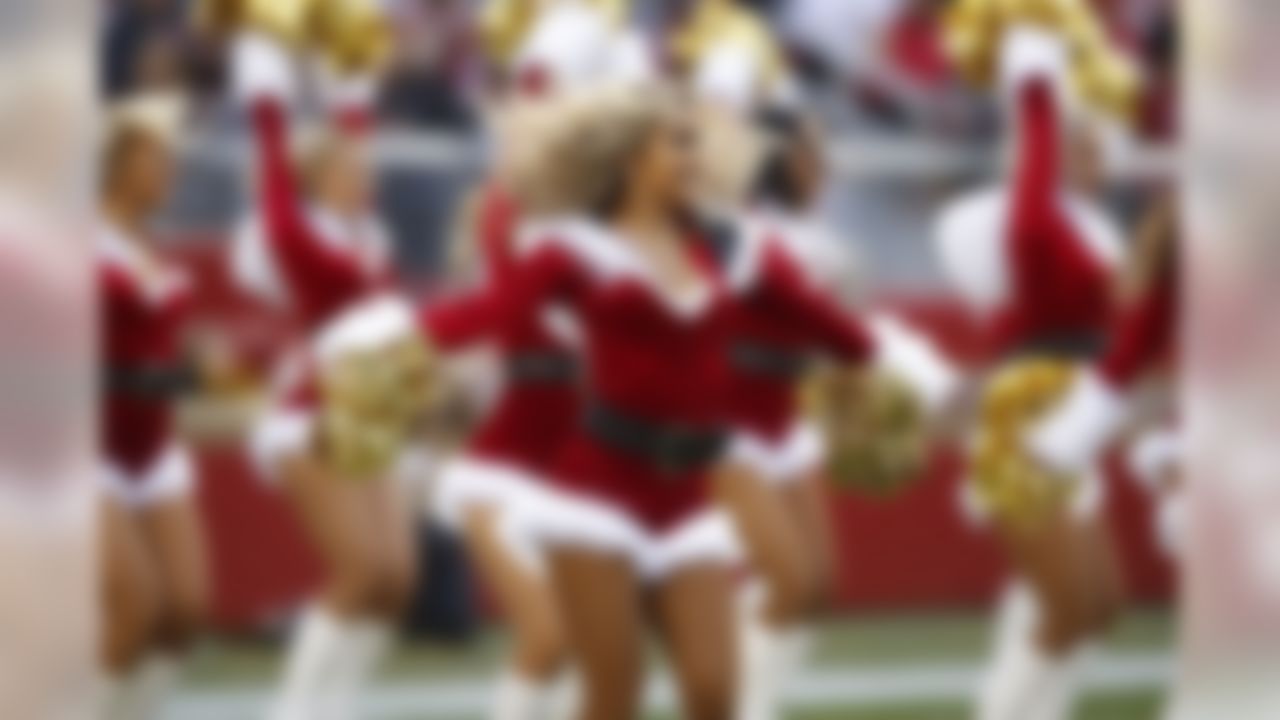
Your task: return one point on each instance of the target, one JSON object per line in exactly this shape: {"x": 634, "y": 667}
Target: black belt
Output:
{"x": 1068, "y": 346}
{"x": 770, "y": 361}
{"x": 541, "y": 367}
{"x": 152, "y": 381}
{"x": 671, "y": 448}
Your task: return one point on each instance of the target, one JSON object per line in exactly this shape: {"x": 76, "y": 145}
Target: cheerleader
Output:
{"x": 495, "y": 493}
{"x": 317, "y": 248}
{"x": 636, "y": 536}
{"x": 1036, "y": 257}
{"x": 155, "y": 565}
{"x": 784, "y": 271}
{"x": 1076, "y": 430}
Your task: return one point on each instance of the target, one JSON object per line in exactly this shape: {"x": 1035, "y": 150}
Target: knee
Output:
{"x": 794, "y": 593}
{"x": 708, "y": 691}
{"x": 393, "y": 586}
{"x": 540, "y": 650}
{"x": 132, "y": 627}
{"x": 183, "y": 618}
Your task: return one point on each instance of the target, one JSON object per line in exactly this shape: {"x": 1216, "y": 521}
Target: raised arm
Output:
{"x": 1048, "y": 258}
{"x": 318, "y": 273}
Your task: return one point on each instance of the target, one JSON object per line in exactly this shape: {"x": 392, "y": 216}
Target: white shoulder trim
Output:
{"x": 909, "y": 355}
{"x": 968, "y": 238}
{"x": 596, "y": 247}
{"x": 1099, "y": 231}
{"x": 252, "y": 265}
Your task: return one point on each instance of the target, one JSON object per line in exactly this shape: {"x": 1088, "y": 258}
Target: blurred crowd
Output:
{"x": 874, "y": 65}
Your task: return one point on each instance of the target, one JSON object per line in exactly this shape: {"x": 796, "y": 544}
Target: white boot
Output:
{"x": 519, "y": 697}
{"x": 312, "y": 679}
{"x": 1022, "y": 681}
{"x": 369, "y": 643}
{"x": 769, "y": 658}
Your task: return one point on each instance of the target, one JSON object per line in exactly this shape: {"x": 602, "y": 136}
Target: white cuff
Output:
{"x": 261, "y": 68}
{"x": 905, "y": 353}
{"x": 1153, "y": 456}
{"x": 1071, "y": 436}
{"x": 1031, "y": 52}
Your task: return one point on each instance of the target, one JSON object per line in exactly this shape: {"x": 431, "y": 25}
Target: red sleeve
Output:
{"x": 1048, "y": 258}
{"x": 464, "y": 318}
{"x": 1144, "y": 332}
{"x": 496, "y": 225}
{"x": 833, "y": 328}
{"x": 317, "y": 274}
{"x": 548, "y": 274}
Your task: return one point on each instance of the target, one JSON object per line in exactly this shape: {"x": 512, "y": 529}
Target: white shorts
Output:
{"x": 784, "y": 461}
{"x": 708, "y": 537}
{"x": 523, "y": 501}
{"x": 170, "y": 476}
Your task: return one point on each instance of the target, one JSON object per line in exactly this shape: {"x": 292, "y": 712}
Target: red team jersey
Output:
{"x": 144, "y": 308}
{"x": 652, "y": 363}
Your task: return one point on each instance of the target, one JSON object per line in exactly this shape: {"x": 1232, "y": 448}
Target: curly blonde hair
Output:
{"x": 571, "y": 154}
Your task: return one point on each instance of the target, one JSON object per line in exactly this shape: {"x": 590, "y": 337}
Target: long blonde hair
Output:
{"x": 571, "y": 153}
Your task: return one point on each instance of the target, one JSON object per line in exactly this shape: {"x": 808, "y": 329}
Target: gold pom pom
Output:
{"x": 355, "y": 35}
{"x": 874, "y": 424}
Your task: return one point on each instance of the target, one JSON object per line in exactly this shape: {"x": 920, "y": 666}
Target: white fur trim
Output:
{"x": 261, "y": 69}
{"x": 253, "y": 265}
{"x": 609, "y": 257}
{"x": 706, "y": 537}
{"x": 1155, "y": 454}
{"x": 1031, "y": 52}
{"x": 905, "y": 353}
{"x": 169, "y": 477}
{"x": 784, "y": 461}
{"x": 969, "y": 239}
{"x": 367, "y": 325}
{"x": 1071, "y": 436}
{"x": 154, "y": 279}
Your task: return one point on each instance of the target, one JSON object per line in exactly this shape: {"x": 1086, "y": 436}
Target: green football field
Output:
{"x": 900, "y": 667}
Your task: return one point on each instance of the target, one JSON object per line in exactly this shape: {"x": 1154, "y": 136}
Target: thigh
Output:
{"x": 600, "y": 600}
{"x": 175, "y": 540}
{"x": 334, "y": 514}
{"x": 394, "y": 527}
{"x": 695, "y": 611}
{"x": 1048, "y": 555}
{"x": 773, "y": 543}
{"x": 523, "y": 591}
{"x": 808, "y": 507}
{"x": 128, "y": 586}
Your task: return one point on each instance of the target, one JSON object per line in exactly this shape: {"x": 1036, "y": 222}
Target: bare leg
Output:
{"x": 529, "y": 685}
{"x": 695, "y": 610}
{"x": 600, "y": 601}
